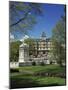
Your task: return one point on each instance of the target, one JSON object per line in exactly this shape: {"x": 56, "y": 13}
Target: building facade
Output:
{"x": 42, "y": 48}
{"x": 40, "y": 52}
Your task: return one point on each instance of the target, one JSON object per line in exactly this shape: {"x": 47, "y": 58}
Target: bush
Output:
{"x": 50, "y": 62}
{"x": 42, "y": 63}
{"x": 34, "y": 63}
{"x": 14, "y": 70}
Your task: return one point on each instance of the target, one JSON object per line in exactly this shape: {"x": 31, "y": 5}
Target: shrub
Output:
{"x": 42, "y": 63}
{"x": 34, "y": 63}
{"x": 50, "y": 62}
{"x": 14, "y": 70}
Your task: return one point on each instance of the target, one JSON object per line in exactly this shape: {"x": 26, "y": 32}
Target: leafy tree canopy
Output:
{"x": 14, "y": 50}
{"x": 31, "y": 43}
{"x": 23, "y": 16}
{"x": 59, "y": 41}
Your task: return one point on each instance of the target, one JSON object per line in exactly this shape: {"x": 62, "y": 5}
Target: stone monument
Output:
{"x": 23, "y": 53}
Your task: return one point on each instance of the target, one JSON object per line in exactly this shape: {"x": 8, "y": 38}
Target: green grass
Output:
{"x": 40, "y": 80}
{"x": 27, "y": 78}
{"x": 47, "y": 68}
{"x": 51, "y": 80}
{"x": 56, "y": 68}
{"x": 35, "y": 81}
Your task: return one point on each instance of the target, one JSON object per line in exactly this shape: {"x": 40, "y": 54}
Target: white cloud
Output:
{"x": 25, "y": 37}
{"x": 11, "y": 36}
{"x": 29, "y": 13}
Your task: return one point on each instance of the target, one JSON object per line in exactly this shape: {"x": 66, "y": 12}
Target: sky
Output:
{"x": 45, "y": 23}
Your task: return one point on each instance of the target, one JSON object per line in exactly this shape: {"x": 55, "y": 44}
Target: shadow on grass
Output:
{"x": 22, "y": 83}
{"x": 40, "y": 78}
{"x": 28, "y": 83}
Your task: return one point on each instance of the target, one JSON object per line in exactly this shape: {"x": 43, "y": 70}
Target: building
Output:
{"x": 40, "y": 52}
{"x": 42, "y": 46}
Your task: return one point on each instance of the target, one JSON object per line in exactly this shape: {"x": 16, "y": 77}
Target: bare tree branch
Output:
{"x": 25, "y": 16}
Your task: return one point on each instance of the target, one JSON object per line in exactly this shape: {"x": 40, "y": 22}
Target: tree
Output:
{"x": 58, "y": 41}
{"x": 14, "y": 50}
{"x": 23, "y": 16}
{"x": 31, "y": 43}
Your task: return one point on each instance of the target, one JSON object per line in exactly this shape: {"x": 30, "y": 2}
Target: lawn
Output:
{"x": 50, "y": 68}
{"x": 35, "y": 76}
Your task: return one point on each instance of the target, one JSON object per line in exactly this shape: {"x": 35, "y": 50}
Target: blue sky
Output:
{"x": 51, "y": 15}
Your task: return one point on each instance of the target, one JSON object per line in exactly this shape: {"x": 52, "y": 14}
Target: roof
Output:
{"x": 24, "y": 45}
{"x": 47, "y": 39}
{"x": 43, "y": 34}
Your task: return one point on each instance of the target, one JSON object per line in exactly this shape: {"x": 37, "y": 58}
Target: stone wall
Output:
{"x": 14, "y": 64}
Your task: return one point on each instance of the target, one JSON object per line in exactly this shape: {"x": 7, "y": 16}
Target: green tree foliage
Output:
{"x": 58, "y": 41}
{"x": 31, "y": 44}
{"x": 14, "y": 50}
{"x": 23, "y": 15}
